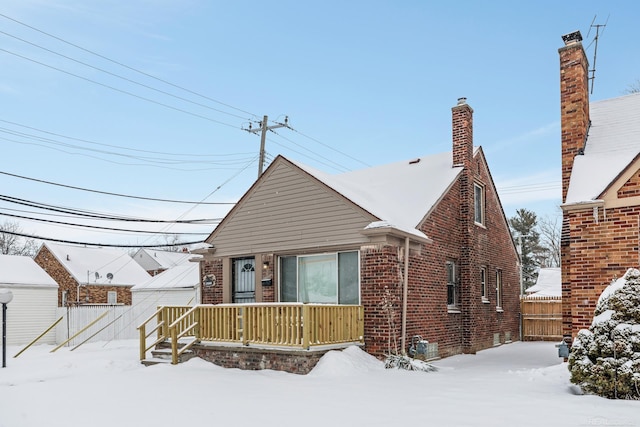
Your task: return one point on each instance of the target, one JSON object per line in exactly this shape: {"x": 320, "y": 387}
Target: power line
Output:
{"x": 119, "y": 146}
{"x": 94, "y": 226}
{"x": 107, "y": 245}
{"x": 333, "y": 149}
{"x": 115, "y": 194}
{"x": 124, "y": 65}
{"x": 123, "y": 78}
{"x": 87, "y": 214}
{"x": 120, "y": 90}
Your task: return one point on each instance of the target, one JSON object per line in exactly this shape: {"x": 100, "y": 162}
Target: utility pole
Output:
{"x": 264, "y": 128}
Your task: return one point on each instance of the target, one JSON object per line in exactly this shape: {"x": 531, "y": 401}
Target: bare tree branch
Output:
{"x": 10, "y": 244}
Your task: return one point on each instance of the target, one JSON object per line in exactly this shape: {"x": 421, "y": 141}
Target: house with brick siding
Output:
{"x": 88, "y": 275}
{"x": 600, "y": 187}
{"x": 423, "y": 245}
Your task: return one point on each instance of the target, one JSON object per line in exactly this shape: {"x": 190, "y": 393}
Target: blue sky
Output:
{"x": 363, "y": 84}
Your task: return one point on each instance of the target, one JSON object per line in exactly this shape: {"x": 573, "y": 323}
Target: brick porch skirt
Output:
{"x": 295, "y": 361}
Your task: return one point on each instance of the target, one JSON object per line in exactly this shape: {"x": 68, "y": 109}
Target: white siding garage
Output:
{"x": 35, "y": 300}
{"x": 178, "y": 285}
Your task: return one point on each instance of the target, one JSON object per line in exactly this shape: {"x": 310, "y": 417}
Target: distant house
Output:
{"x": 548, "y": 284}
{"x": 35, "y": 299}
{"x": 179, "y": 285}
{"x": 600, "y": 187}
{"x": 90, "y": 275}
{"x": 156, "y": 261}
{"x": 423, "y": 245}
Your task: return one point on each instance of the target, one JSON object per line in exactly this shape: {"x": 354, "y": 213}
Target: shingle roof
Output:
{"x": 612, "y": 144}
{"x": 399, "y": 193}
{"x": 101, "y": 266}
{"x": 18, "y": 270}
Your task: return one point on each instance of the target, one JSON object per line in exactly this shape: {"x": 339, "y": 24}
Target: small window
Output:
{"x": 478, "y": 204}
{"x": 453, "y": 296}
{"x": 112, "y": 297}
{"x": 483, "y": 284}
{"x": 499, "y": 289}
{"x": 64, "y": 298}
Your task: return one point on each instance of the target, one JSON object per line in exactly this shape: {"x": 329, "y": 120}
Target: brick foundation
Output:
{"x": 251, "y": 358}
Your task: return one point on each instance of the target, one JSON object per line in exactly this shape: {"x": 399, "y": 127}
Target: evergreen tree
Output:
{"x": 527, "y": 238}
{"x": 605, "y": 359}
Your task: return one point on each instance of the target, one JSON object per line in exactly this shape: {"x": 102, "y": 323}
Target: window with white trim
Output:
{"x": 478, "y": 203}
{"x": 499, "y": 289}
{"x": 332, "y": 278}
{"x": 483, "y": 284}
{"x": 453, "y": 293}
{"x": 112, "y": 297}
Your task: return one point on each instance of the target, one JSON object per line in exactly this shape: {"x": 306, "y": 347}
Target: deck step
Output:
{"x": 155, "y": 361}
{"x": 162, "y": 354}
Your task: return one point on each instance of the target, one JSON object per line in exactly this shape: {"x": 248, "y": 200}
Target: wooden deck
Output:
{"x": 285, "y": 326}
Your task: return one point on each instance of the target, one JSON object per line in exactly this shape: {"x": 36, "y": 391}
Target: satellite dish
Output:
{"x": 109, "y": 276}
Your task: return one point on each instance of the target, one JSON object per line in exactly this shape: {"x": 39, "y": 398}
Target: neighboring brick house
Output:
{"x": 600, "y": 187}
{"x": 90, "y": 275}
{"x": 431, "y": 228}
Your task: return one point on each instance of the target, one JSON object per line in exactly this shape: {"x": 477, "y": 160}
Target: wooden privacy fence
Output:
{"x": 541, "y": 318}
{"x": 299, "y": 326}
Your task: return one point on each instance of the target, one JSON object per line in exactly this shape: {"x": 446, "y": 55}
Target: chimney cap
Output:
{"x": 572, "y": 38}
{"x": 462, "y": 101}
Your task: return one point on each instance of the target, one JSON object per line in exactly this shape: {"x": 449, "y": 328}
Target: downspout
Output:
{"x": 405, "y": 292}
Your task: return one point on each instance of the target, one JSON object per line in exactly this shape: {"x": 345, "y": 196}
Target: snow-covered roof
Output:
{"x": 612, "y": 144}
{"x": 154, "y": 259}
{"x": 549, "y": 283}
{"x": 399, "y": 193}
{"x": 179, "y": 277}
{"x": 16, "y": 270}
{"x": 99, "y": 266}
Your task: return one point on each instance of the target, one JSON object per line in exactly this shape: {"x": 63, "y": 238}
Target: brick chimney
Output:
{"x": 574, "y": 102}
{"x": 462, "y": 127}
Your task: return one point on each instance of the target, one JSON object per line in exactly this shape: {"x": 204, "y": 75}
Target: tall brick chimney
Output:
{"x": 574, "y": 102}
{"x": 462, "y": 127}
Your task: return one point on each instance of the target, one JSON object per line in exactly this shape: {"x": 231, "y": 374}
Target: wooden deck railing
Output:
{"x": 284, "y": 325}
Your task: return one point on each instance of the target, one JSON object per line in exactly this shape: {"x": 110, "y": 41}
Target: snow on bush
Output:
{"x": 605, "y": 360}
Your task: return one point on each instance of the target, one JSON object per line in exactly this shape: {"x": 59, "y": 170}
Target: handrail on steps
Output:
{"x": 143, "y": 334}
{"x": 175, "y": 336}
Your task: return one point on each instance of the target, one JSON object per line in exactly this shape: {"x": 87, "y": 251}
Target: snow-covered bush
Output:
{"x": 605, "y": 360}
{"x": 400, "y": 361}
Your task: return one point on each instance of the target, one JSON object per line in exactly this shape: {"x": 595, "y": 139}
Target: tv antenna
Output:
{"x": 595, "y": 49}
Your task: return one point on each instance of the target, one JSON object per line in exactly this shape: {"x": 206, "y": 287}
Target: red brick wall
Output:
{"x": 211, "y": 294}
{"x": 97, "y": 294}
{"x": 250, "y": 358}
{"x": 599, "y": 251}
{"x": 474, "y": 326}
{"x": 594, "y": 249}
{"x": 630, "y": 188}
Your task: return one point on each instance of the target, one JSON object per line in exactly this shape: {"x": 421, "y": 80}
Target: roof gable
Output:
{"x": 179, "y": 277}
{"x": 98, "y": 266}
{"x": 288, "y": 208}
{"x": 399, "y": 193}
{"x": 153, "y": 259}
{"x": 613, "y": 143}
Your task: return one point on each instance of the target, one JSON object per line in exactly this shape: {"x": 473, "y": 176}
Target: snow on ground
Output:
{"x": 104, "y": 384}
